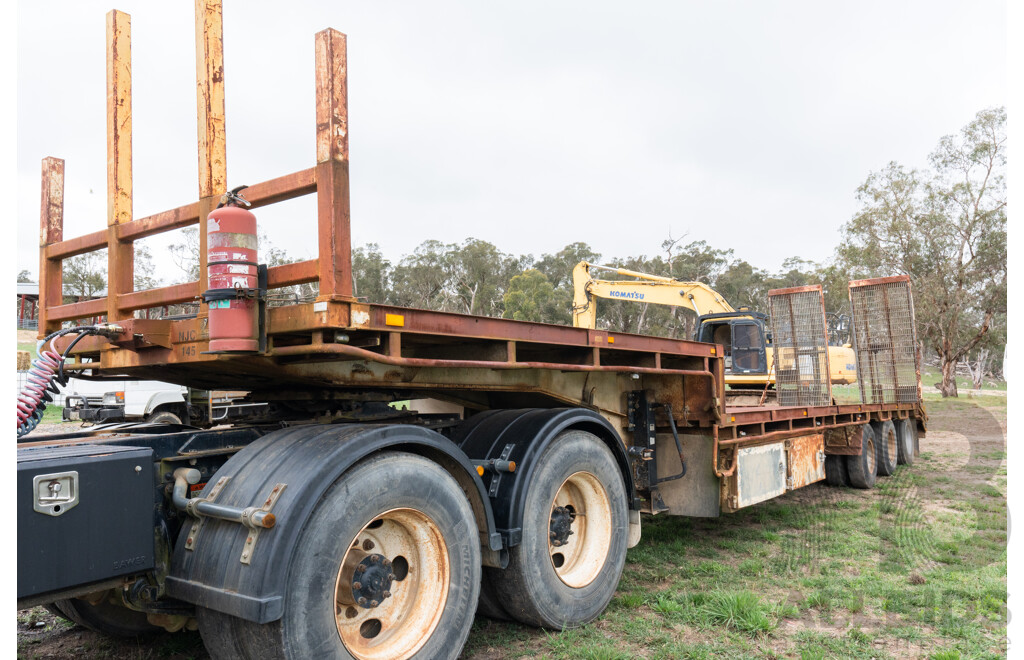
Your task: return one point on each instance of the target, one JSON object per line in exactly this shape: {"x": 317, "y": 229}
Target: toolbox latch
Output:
{"x": 53, "y": 494}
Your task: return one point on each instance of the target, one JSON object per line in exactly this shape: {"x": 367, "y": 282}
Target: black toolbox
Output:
{"x": 85, "y": 514}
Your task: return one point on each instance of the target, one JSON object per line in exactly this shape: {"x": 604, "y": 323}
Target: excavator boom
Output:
{"x": 697, "y": 296}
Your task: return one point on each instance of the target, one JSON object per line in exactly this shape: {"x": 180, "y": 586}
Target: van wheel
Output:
{"x": 387, "y": 567}
{"x": 575, "y": 526}
{"x": 163, "y": 417}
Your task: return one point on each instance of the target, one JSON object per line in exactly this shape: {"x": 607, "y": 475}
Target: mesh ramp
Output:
{"x": 885, "y": 340}
{"x": 800, "y": 346}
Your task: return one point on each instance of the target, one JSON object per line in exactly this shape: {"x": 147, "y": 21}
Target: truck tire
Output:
{"x": 404, "y": 524}
{"x": 835, "y": 471}
{"x": 886, "y": 446}
{"x": 56, "y": 611}
{"x": 861, "y": 469}
{"x": 163, "y": 417}
{"x": 906, "y": 433}
{"x": 489, "y": 604}
{"x": 575, "y": 523}
{"x": 107, "y": 618}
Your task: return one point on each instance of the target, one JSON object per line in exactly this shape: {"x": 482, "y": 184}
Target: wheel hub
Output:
{"x": 371, "y": 580}
{"x": 561, "y": 525}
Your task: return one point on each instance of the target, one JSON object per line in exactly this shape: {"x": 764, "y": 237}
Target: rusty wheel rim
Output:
{"x": 406, "y": 545}
{"x": 579, "y": 556}
{"x": 872, "y": 458}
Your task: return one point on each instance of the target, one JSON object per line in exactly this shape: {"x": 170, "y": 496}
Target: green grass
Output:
{"x": 28, "y": 346}
{"x": 53, "y": 414}
{"x": 916, "y": 567}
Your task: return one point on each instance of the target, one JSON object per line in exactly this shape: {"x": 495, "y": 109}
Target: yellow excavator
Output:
{"x": 742, "y": 333}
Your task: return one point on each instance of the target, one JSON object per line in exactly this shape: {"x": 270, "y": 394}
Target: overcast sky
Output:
{"x": 527, "y": 124}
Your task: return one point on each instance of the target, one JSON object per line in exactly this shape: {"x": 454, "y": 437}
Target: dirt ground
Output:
{"x": 959, "y": 437}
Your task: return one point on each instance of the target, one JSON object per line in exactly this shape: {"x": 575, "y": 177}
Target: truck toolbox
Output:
{"x": 85, "y": 514}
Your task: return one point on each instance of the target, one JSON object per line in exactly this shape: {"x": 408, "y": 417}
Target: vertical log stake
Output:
{"x": 51, "y": 230}
{"x": 212, "y": 149}
{"x": 119, "y": 158}
{"x": 332, "y": 182}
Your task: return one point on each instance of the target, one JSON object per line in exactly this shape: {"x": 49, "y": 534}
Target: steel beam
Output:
{"x": 333, "y": 213}
{"x": 120, "y": 255}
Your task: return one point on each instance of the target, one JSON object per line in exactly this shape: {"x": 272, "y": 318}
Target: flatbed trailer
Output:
{"x": 335, "y": 525}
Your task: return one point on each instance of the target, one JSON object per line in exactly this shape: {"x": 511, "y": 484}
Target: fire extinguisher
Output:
{"x": 235, "y": 289}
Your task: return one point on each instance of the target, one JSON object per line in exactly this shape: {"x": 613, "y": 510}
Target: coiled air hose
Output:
{"x": 46, "y": 375}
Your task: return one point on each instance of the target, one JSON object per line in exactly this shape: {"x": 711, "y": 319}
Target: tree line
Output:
{"x": 944, "y": 226}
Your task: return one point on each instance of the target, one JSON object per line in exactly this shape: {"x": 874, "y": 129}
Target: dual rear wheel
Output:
{"x": 389, "y": 565}
{"x": 884, "y": 445}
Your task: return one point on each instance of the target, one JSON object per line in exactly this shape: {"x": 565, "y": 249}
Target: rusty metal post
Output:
{"x": 120, "y": 279}
{"x": 332, "y": 183}
{"x": 213, "y": 171}
{"x": 51, "y": 230}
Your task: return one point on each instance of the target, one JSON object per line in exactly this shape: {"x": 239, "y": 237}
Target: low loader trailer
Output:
{"x": 334, "y": 524}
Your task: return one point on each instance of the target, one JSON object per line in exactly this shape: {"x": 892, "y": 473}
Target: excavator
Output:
{"x": 743, "y": 333}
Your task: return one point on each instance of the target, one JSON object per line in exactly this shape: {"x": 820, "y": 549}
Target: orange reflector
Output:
{"x": 611, "y": 340}
{"x": 713, "y": 351}
{"x": 480, "y": 470}
{"x": 511, "y": 466}
{"x": 732, "y": 419}
{"x": 805, "y": 413}
{"x": 394, "y": 319}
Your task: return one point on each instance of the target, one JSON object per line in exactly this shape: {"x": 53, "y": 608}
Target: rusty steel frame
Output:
{"x": 328, "y": 179}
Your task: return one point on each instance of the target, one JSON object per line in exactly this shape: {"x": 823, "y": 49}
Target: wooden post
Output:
{"x": 332, "y": 184}
{"x": 213, "y": 173}
{"x": 51, "y": 230}
{"x": 120, "y": 279}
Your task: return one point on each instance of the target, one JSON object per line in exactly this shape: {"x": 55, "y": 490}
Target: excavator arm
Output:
{"x": 645, "y": 288}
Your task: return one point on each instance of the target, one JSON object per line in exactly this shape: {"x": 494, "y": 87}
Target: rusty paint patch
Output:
{"x": 805, "y": 460}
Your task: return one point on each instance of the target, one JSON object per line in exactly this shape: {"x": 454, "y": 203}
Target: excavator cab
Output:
{"x": 743, "y": 337}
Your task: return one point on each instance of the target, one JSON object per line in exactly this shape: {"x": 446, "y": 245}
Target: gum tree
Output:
{"x": 946, "y": 228}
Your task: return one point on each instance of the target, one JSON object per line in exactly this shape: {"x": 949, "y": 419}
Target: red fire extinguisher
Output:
{"x": 232, "y": 270}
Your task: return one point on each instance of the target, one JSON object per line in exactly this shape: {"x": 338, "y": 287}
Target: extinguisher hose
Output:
{"x": 46, "y": 375}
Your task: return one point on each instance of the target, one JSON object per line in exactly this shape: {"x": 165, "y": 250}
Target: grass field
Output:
{"x": 914, "y": 568}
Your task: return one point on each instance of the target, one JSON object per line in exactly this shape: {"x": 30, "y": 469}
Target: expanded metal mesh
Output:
{"x": 885, "y": 339}
{"x": 800, "y": 346}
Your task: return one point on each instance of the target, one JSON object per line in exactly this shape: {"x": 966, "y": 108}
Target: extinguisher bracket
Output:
{"x": 239, "y": 293}
{"x": 259, "y": 294}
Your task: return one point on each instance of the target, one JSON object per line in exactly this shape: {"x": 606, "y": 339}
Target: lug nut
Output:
{"x": 360, "y": 568}
{"x": 374, "y": 559}
{"x": 387, "y": 594}
{"x": 357, "y": 585}
{"x": 391, "y": 576}
{"x": 374, "y": 603}
{"x": 362, "y": 601}
{"x": 387, "y": 563}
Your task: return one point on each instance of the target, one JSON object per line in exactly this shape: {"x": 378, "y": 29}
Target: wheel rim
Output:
{"x": 890, "y": 440}
{"x": 579, "y": 535}
{"x": 907, "y": 439}
{"x": 400, "y": 558}
{"x": 869, "y": 454}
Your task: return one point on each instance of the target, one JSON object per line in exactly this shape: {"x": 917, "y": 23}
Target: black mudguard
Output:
{"x": 308, "y": 459}
{"x": 522, "y": 436}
